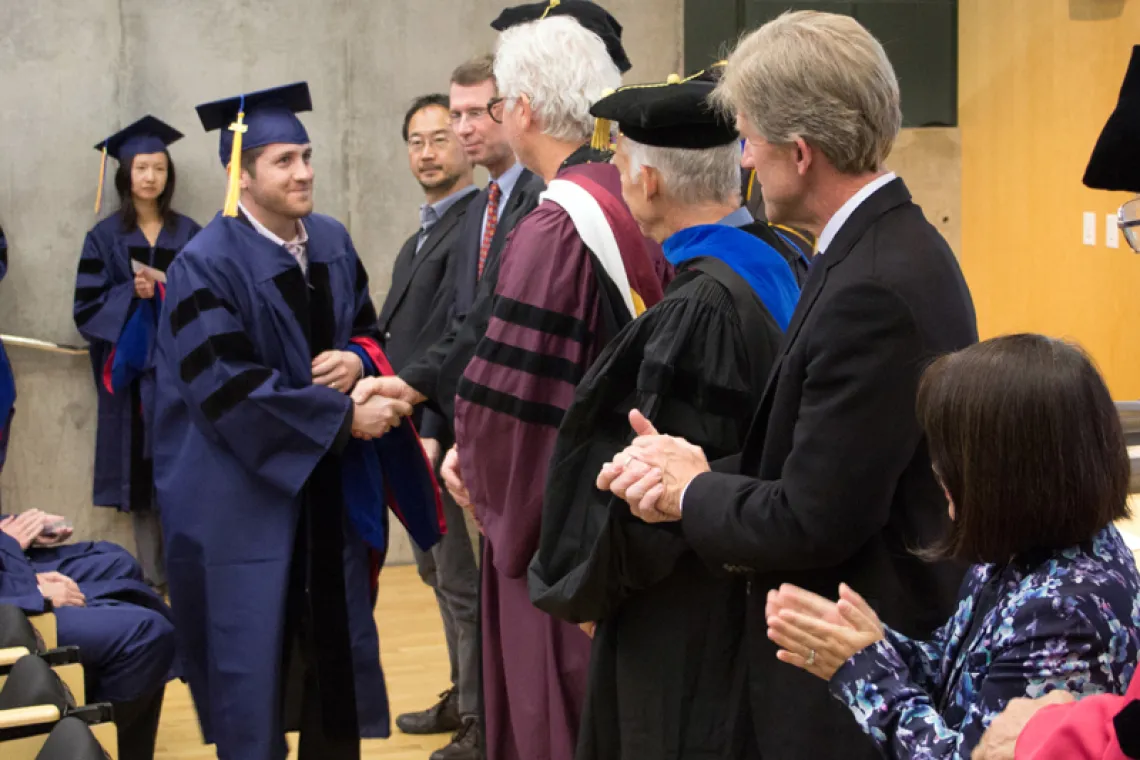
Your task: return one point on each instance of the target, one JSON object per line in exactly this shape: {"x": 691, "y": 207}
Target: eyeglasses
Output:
{"x": 495, "y": 108}
{"x": 1128, "y": 220}
{"x": 471, "y": 114}
{"x": 439, "y": 142}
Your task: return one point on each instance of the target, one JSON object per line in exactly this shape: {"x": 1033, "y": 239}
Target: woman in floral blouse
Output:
{"x": 1028, "y": 446}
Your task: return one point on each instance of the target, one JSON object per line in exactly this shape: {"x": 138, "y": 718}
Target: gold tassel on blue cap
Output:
{"x": 102, "y": 179}
{"x": 233, "y": 187}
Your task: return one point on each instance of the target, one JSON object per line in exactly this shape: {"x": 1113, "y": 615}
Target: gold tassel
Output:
{"x": 102, "y": 177}
{"x": 751, "y": 181}
{"x": 601, "y": 138}
{"x": 603, "y": 129}
{"x": 233, "y": 188}
{"x": 553, "y": 4}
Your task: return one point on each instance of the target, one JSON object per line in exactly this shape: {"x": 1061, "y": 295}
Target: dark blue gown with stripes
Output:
{"x": 105, "y": 301}
{"x": 271, "y": 583}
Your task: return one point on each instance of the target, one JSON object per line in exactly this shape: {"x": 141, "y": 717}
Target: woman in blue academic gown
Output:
{"x": 118, "y": 294}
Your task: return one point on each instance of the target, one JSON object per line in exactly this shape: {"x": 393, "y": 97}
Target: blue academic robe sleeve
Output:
{"x": 277, "y": 431}
{"x": 18, "y": 585}
{"x": 101, "y": 307}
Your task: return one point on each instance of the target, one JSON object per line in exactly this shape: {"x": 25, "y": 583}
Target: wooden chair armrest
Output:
{"x": 10, "y": 655}
{"x": 29, "y": 716}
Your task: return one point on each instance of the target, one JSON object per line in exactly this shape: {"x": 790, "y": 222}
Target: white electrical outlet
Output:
{"x": 1090, "y": 228}
{"x": 1111, "y": 231}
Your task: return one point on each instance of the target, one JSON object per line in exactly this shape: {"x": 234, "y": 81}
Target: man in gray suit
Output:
{"x": 418, "y": 309}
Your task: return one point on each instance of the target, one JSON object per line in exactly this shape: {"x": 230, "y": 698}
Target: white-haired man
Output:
{"x": 574, "y": 272}
{"x": 834, "y": 483}
{"x": 690, "y": 364}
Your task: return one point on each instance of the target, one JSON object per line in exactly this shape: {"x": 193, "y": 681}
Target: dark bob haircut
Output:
{"x": 1024, "y": 436}
{"x": 126, "y": 201}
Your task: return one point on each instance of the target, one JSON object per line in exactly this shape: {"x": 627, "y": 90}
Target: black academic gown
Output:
{"x": 665, "y": 661}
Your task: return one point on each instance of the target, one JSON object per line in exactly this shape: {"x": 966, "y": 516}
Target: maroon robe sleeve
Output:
{"x": 540, "y": 340}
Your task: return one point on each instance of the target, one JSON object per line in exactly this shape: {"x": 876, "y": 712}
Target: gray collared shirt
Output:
{"x": 430, "y": 214}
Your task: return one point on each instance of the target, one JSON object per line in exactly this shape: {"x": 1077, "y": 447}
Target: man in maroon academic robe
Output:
{"x": 558, "y": 301}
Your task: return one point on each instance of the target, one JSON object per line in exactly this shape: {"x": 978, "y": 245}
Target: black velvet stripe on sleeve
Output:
{"x": 531, "y": 362}
{"x": 90, "y": 266}
{"x": 527, "y": 411}
{"x": 233, "y": 392}
{"x": 233, "y": 346}
{"x": 84, "y": 315}
{"x": 197, "y": 303}
{"x": 89, "y": 294}
{"x": 543, "y": 320}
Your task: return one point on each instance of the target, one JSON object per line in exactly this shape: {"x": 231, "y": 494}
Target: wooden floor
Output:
{"x": 414, "y": 655}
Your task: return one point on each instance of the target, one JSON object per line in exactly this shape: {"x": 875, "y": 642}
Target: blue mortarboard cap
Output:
{"x": 270, "y": 117}
{"x": 147, "y": 135}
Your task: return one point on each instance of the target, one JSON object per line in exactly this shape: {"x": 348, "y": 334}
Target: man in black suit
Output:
{"x": 834, "y": 483}
{"x": 418, "y": 309}
{"x": 440, "y": 356}
{"x": 511, "y": 194}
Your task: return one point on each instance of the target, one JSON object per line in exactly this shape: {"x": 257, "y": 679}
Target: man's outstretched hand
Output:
{"x": 388, "y": 387}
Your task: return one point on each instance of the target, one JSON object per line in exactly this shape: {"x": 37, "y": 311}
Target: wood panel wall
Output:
{"x": 1037, "y": 80}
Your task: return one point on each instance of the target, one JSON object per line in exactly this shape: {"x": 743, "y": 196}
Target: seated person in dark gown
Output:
{"x": 122, "y": 628}
{"x": 668, "y": 628}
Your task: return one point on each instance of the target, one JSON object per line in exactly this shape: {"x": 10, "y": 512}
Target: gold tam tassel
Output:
{"x": 102, "y": 177}
{"x": 233, "y": 187}
{"x": 751, "y": 182}
{"x": 553, "y": 4}
{"x": 603, "y": 129}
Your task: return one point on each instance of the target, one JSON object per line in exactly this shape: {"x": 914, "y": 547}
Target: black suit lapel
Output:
{"x": 886, "y": 198}
{"x": 401, "y": 278}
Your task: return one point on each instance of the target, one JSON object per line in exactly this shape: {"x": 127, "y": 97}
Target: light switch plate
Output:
{"x": 1090, "y": 228}
{"x": 1111, "y": 231}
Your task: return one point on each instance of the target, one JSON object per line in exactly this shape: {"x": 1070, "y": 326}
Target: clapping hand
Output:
{"x": 819, "y": 635}
{"x": 652, "y": 472}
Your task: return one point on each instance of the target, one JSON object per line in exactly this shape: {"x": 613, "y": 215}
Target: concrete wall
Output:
{"x": 78, "y": 70}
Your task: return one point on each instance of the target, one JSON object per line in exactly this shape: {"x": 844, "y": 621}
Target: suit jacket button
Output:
{"x": 387, "y": 336}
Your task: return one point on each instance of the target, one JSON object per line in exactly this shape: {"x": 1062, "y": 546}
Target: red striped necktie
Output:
{"x": 493, "y": 195}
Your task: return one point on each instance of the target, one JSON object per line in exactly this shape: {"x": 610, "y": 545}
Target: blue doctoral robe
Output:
{"x": 125, "y": 633}
{"x": 105, "y": 303}
{"x": 252, "y": 489}
{"x": 7, "y": 379}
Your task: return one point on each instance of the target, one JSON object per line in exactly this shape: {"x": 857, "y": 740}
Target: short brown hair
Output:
{"x": 473, "y": 72}
{"x": 249, "y": 159}
{"x": 1024, "y": 436}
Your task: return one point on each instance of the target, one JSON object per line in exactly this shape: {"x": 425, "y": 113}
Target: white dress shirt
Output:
{"x": 836, "y": 222}
{"x": 295, "y": 247}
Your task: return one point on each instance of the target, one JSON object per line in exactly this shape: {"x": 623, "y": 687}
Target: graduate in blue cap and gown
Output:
{"x": 118, "y": 293}
{"x": 273, "y": 484}
{"x": 691, "y": 364}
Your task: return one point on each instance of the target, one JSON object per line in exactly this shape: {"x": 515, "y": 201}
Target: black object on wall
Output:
{"x": 920, "y": 37}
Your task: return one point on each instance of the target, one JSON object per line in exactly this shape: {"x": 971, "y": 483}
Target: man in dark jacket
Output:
{"x": 834, "y": 483}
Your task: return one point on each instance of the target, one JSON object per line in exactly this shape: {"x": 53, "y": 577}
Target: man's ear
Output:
{"x": 804, "y": 155}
